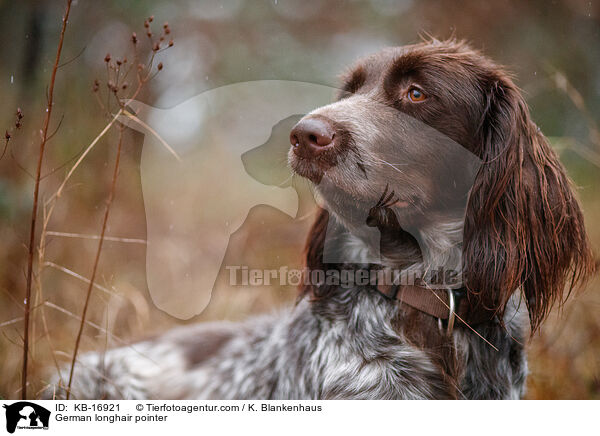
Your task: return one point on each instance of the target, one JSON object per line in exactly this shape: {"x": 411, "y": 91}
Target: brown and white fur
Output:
{"x": 522, "y": 243}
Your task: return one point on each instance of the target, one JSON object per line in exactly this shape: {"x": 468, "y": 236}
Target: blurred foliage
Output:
{"x": 223, "y": 42}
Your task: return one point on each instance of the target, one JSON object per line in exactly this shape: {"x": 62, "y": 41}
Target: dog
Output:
{"x": 509, "y": 223}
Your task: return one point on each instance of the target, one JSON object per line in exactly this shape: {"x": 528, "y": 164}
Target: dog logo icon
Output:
{"x": 26, "y": 415}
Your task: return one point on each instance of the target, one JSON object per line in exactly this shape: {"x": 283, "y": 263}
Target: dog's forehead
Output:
{"x": 410, "y": 56}
{"x": 379, "y": 61}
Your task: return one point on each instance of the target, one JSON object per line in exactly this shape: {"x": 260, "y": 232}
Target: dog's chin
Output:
{"x": 328, "y": 182}
{"x": 308, "y": 169}
{"x": 346, "y": 197}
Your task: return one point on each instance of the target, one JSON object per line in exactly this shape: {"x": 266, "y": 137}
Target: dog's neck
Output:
{"x": 430, "y": 248}
{"x": 441, "y": 248}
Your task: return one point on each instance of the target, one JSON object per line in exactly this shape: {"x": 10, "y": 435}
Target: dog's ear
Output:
{"x": 313, "y": 252}
{"x": 523, "y": 228}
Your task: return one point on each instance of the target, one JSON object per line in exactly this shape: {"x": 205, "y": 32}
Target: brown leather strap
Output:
{"x": 436, "y": 302}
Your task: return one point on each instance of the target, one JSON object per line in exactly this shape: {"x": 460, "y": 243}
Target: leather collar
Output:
{"x": 444, "y": 304}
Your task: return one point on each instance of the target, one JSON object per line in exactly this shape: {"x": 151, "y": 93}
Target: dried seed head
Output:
{"x": 167, "y": 30}
{"x": 159, "y": 66}
{"x": 140, "y": 67}
{"x": 96, "y": 85}
{"x": 149, "y": 34}
{"x": 107, "y": 58}
{"x": 151, "y": 18}
{"x": 125, "y": 60}
{"x": 119, "y": 62}
{"x": 18, "y": 123}
{"x": 171, "y": 43}
{"x": 156, "y": 47}
{"x": 166, "y": 25}
{"x": 146, "y": 24}
{"x": 7, "y": 135}
{"x": 124, "y": 86}
{"x": 134, "y": 38}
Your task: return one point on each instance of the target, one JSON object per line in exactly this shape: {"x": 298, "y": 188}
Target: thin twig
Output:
{"x": 154, "y": 132}
{"x": 50, "y": 343}
{"x": 89, "y": 323}
{"x": 111, "y": 195}
{"x": 80, "y": 277}
{"x": 585, "y": 152}
{"x": 106, "y": 238}
{"x": 60, "y": 189}
{"x": 39, "y": 296}
{"x": 74, "y": 58}
{"x": 35, "y": 201}
{"x": 7, "y": 139}
{"x": 113, "y": 337}
{"x": 21, "y": 167}
{"x": 563, "y": 83}
{"x": 12, "y": 321}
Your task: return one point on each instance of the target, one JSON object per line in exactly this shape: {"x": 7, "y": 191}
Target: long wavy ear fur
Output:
{"x": 313, "y": 252}
{"x": 524, "y": 228}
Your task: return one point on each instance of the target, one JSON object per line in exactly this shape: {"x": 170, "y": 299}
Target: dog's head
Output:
{"x": 395, "y": 126}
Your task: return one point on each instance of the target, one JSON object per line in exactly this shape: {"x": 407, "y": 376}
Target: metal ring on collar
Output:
{"x": 451, "y": 313}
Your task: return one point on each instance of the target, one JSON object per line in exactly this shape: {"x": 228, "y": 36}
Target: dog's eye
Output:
{"x": 416, "y": 95}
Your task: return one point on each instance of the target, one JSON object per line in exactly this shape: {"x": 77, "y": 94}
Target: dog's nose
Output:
{"x": 312, "y": 136}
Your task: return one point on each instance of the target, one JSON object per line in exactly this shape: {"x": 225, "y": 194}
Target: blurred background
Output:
{"x": 550, "y": 46}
